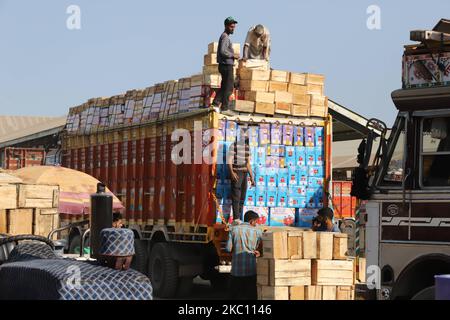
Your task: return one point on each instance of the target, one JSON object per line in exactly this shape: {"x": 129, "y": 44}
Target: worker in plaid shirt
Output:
{"x": 244, "y": 242}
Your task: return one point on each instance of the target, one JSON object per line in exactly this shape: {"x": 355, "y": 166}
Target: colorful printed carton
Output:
{"x": 290, "y": 157}
{"x": 319, "y": 156}
{"x": 288, "y": 135}
{"x": 264, "y": 134}
{"x": 276, "y": 150}
{"x": 319, "y": 136}
{"x": 261, "y": 155}
{"x": 304, "y": 217}
{"x": 283, "y": 177}
{"x": 310, "y": 156}
{"x": 261, "y": 197}
{"x": 250, "y": 197}
{"x": 309, "y": 136}
{"x": 263, "y": 213}
{"x": 261, "y": 178}
{"x": 293, "y": 176}
{"x": 253, "y": 136}
{"x": 296, "y": 202}
{"x": 310, "y": 198}
{"x": 271, "y": 197}
{"x": 300, "y": 156}
{"x": 231, "y": 131}
{"x": 281, "y": 217}
{"x": 276, "y": 133}
{"x": 299, "y": 137}
{"x": 282, "y": 198}
{"x": 315, "y": 171}
{"x": 272, "y": 177}
{"x": 221, "y": 130}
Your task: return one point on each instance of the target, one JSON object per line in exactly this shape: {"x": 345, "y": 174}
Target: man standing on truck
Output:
{"x": 244, "y": 241}
{"x": 257, "y": 43}
{"x": 240, "y": 169}
{"x": 225, "y": 58}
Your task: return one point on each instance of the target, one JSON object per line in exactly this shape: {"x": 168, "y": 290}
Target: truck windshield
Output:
{"x": 435, "y": 152}
{"x": 394, "y": 172}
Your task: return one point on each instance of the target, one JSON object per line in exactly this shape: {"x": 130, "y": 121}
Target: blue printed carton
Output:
{"x": 300, "y": 155}
{"x": 253, "y": 136}
{"x": 276, "y": 150}
{"x": 297, "y": 191}
{"x": 261, "y": 155}
{"x": 303, "y": 179}
{"x": 315, "y": 171}
{"x": 319, "y": 156}
{"x": 231, "y": 131}
{"x": 319, "y": 136}
{"x": 271, "y": 197}
{"x": 272, "y": 177}
{"x": 299, "y": 136}
{"x": 282, "y": 198}
{"x": 250, "y": 197}
{"x": 221, "y": 130}
{"x": 293, "y": 176}
{"x": 304, "y": 217}
{"x": 310, "y": 198}
{"x": 282, "y": 217}
{"x": 290, "y": 157}
{"x": 310, "y": 156}
{"x": 273, "y": 162}
{"x": 261, "y": 178}
{"x": 296, "y": 202}
{"x": 261, "y": 197}
{"x": 283, "y": 177}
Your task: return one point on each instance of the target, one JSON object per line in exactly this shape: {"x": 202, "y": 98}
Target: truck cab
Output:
{"x": 408, "y": 212}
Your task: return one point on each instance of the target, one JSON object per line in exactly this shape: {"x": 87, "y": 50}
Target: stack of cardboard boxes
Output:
{"x": 305, "y": 265}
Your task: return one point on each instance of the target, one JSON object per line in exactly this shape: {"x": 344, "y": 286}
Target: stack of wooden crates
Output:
{"x": 26, "y": 208}
{"x": 305, "y": 265}
{"x": 270, "y": 92}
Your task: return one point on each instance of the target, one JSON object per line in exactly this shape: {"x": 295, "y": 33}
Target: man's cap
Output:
{"x": 230, "y": 20}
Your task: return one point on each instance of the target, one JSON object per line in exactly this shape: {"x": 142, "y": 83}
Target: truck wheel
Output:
{"x": 163, "y": 271}
{"x": 425, "y": 294}
{"x": 140, "y": 259}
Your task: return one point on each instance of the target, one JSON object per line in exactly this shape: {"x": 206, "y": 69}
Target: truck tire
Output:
{"x": 163, "y": 271}
{"x": 140, "y": 258}
{"x": 425, "y": 294}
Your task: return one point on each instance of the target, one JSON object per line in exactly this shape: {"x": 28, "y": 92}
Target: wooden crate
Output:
{"x": 243, "y": 106}
{"x": 297, "y": 78}
{"x": 313, "y": 293}
{"x": 259, "y": 96}
{"x": 275, "y": 245}
{"x": 283, "y": 107}
{"x": 37, "y": 196}
{"x": 289, "y": 272}
{"x": 295, "y": 245}
{"x": 277, "y": 86}
{"x": 8, "y": 196}
{"x": 315, "y": 89}
{"x": 309, "y": 240}
{"x": 210, "y": 59}
{"x": 345, "y": 293}
{"x": 332, "y": 272}
{"x": 3, "y": 221}
{"x": 340, "y": 246}
{"x": 212, "y": 47}
{"x": 262, "y": 271}
{"x": 212, "y": 69}
{"x": 253, "y": 85}
{"x": 44, "y": 221}
{"x": 297, "y": 89}
{"x": 325, "y": 245}
{"x": 316, "y": 79}
{"x": 285, "y": 97}
{"x": 252, "y": 74}
{"x": 329, "y": 292}
{"x": 300, "y": 111}
{"x": 265, "y": 108}
{"x": 280, "y": 76}
{"x": 19, "y": 221}
{"x": 273, "y": 293}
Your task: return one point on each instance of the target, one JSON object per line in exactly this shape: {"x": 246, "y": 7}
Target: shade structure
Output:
{"x": 75, "y": 187}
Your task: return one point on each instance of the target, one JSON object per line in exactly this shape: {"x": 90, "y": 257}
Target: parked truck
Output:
{"x": 408, "y": 213}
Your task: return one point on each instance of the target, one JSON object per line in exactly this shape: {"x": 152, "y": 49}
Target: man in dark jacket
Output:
{"x": 225, "y": 59}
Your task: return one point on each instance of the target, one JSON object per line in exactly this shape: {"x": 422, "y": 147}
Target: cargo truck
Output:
{"x": 408, "y": 213}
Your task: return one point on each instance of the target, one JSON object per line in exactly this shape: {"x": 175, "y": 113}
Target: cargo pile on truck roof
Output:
{"x": 261, "y": 91}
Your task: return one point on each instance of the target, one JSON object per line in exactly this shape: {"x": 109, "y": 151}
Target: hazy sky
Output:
{"x": 45, "y": 68}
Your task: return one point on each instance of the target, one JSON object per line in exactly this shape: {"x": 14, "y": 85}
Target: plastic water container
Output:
{"x": 442, "y": 287}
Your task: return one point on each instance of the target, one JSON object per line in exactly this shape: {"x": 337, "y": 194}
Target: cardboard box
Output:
{"x": 288, "y": 135}
{"x": 301, "y": 156}
{"x": 290, "y": 156}
{"x": 293, "y": 176}
{"x": 261, "y": 197}
{"x": 281, "y": 217}
{"x": 275, "y": 245}
{"x": 263, "y": 213}
{"x": 309, "y": 136}
{"x": 299, "y": 136}
{"x": 282, "y": 178}
{"x": 274, "y": 86}
{"x": 280, "y": 76}
{"x": 259, "y": 96}
{"x": 332, "y": 272}
{"x": 261, "y": 155}
{"x": 282, "y": 200}
{"x": 271, "y": 198}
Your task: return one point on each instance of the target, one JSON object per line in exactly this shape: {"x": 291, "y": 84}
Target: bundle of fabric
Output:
{"x": 35, "y": 273}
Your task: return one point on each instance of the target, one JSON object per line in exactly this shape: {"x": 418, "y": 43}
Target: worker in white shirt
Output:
{"x": 257, "y": 43}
